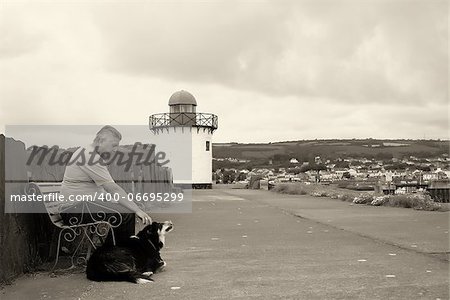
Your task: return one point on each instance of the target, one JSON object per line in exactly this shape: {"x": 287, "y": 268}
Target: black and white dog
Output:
{"x": 135, "y": 260}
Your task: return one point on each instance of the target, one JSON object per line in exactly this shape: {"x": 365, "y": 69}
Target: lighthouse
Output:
{"x": 185, "y": 135}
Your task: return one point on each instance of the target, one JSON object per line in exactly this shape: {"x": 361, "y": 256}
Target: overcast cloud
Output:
{"x": 271, "y": 70}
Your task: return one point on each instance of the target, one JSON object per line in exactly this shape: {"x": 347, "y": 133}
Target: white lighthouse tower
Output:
{"x": 190, "y": 135}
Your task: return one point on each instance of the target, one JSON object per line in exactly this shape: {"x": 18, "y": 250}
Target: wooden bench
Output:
{"x": 102, "y": 220}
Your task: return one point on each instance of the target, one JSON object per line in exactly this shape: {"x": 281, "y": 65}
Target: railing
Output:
{"x": 157, "y": 121}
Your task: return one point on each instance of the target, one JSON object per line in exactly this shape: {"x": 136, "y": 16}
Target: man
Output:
{"x": 86, "y": 175}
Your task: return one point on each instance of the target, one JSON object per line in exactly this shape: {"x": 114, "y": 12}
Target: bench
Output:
{"x": 102, "y": 220}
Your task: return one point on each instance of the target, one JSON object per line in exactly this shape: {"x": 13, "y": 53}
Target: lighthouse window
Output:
{"x": 182, "y": 108}
{"x": 207, "y": 145}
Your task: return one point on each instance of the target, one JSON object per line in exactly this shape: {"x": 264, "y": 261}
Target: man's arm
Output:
{"x": 114, "y": 188}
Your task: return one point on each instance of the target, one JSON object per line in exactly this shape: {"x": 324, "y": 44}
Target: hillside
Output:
{"x": 281, "y": 152}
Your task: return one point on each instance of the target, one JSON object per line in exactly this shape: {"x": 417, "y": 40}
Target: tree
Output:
{"x": 242, "y": 176}
{"x": 228, "y": 176}
{"x": 342, "y": 164}
{"x": 314, "y": 167}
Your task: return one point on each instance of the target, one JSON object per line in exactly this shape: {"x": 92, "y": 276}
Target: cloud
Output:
{"x": 197, "y": 41}
{"x": 15, "y": 38}
{"x": 369, "y": 51}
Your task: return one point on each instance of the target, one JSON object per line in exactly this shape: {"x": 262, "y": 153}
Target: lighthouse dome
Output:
{"x": 182, "y": 97}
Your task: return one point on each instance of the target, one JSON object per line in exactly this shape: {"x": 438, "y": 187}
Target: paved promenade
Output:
{"x": 244, "y": 244}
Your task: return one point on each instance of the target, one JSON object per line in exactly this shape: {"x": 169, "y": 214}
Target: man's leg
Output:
{"x": 73, "y": 216}
{"x": 124, "y": 230}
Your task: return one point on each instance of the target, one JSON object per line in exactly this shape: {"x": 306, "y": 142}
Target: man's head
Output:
{"x": 107, "y": 140}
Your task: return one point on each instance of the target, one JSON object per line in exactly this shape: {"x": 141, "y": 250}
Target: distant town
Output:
{"x": 400, "y": 166}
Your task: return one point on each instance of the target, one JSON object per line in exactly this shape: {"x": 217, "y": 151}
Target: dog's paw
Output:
{"x": 148, "y": 273}
{"x": 162, "y": 267}
{"x": 143, "y": 281}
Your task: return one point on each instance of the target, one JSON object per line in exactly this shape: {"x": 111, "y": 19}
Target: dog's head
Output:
{"x": 156, "y": 232}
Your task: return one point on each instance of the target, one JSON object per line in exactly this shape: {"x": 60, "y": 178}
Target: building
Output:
{"x": 185, "y": 136}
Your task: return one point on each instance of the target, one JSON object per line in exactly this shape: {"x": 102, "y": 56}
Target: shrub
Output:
{"x": 363, "y": 199}
{"x": 400, "y": 201}
{"x": 381, "y": 200}
{"x": 291, "y": 189}
{"x": 319, "y": 194}
{"x": 345, "y": 197}
{"x": 419, "y": 201}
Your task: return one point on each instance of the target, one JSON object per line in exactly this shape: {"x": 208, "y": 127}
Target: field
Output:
{"x": 331, "y": 149}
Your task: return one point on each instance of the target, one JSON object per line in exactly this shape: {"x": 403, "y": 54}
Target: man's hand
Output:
{"x": 144, "y": 217}
{"x": 113, "y": 188}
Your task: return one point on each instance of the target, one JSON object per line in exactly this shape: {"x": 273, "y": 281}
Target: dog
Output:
{"x": 135, "y": 260}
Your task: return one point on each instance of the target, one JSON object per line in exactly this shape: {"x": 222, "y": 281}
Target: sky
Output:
{"x": 271, "y": 70}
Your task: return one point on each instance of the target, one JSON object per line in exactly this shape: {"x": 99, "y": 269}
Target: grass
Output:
{"x": 418, "y": 201}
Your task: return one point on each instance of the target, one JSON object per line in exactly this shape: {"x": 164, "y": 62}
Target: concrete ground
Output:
{"x": 246, "y": 244}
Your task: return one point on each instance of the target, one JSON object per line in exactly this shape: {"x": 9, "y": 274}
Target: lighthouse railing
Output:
{"x": 183, "y": 119}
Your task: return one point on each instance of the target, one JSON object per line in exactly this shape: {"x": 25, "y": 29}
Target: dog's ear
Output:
{"x": 149, "y": 228}
{"x": 153, "y": 228}
{"x": 145, "y": 231}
